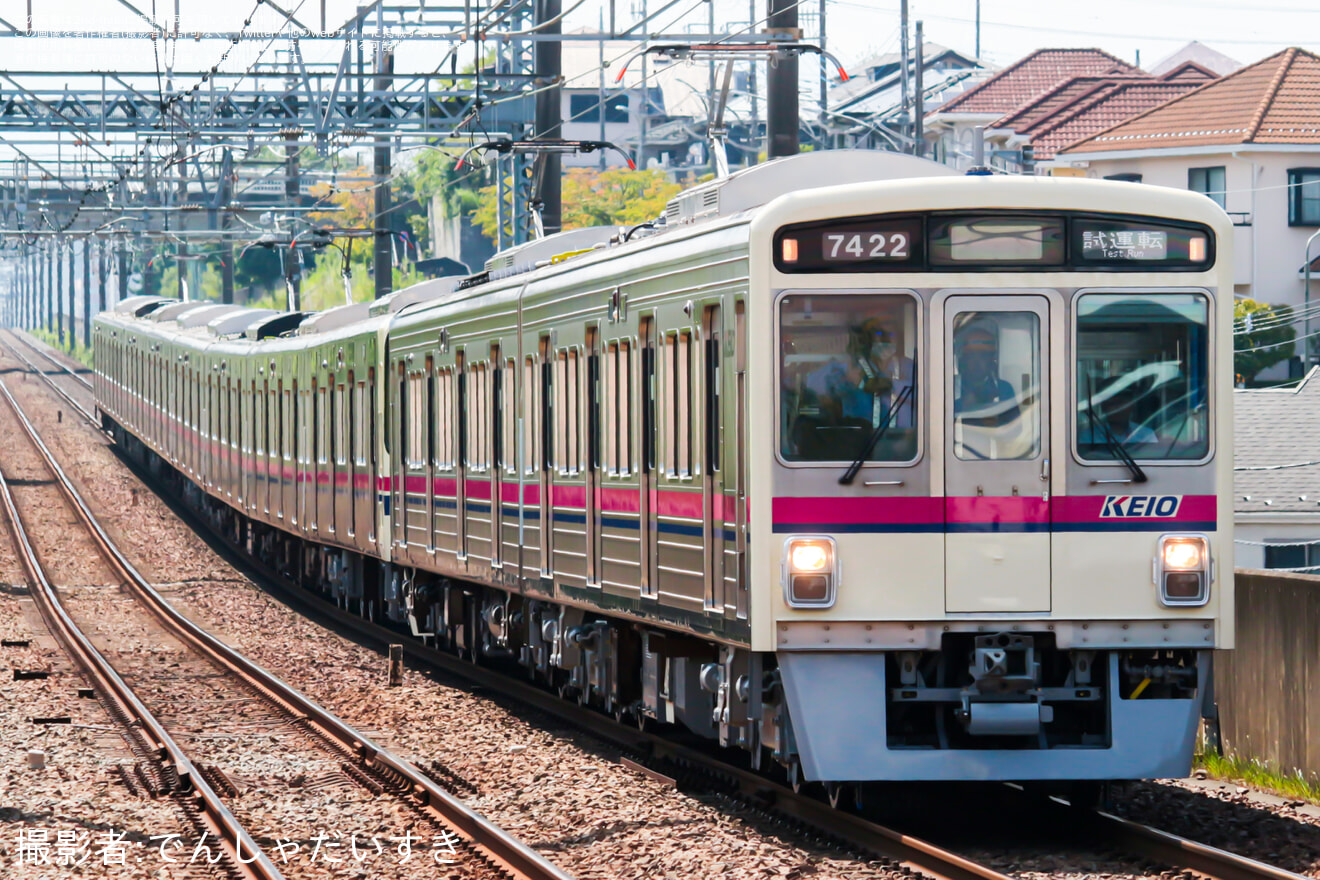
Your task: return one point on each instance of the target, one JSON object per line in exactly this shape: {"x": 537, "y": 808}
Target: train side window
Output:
{"x": 444, "y": 414}
{"x": 531, "y": 424}
{"x": 343, "y": 421}
{"x": 361, "y": 433}
{"x": 418, "y": 410}
{"x": 676, "y": 453}
{"x": 561, "y": 411}
{"x": 624, "y": 386}
{"x": 609, "y": 380}
{"x": 508, "y": 416}
{"x": 648, "y": 389}
{"x": 322, "y": 426}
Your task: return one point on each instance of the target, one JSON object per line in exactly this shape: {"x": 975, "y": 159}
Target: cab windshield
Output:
{"x": 846, "y": 366}
{"x": 1143, "y": 376}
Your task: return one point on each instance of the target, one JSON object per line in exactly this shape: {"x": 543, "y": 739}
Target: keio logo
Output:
{"x": 1131, "y": 506}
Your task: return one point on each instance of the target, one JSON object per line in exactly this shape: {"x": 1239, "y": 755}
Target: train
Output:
{"x": 870, "y": 469}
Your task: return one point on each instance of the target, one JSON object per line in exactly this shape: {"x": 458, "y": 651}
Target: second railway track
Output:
{"x": 271, "y": 760}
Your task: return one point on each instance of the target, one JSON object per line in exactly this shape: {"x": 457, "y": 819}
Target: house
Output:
{"x": 950, "y": 130}
{"x": 1276, "y": 480}
{"x": 867, "y": 112}
{"x": 1081, "y": 106}
{"x": 1251, "y": 142}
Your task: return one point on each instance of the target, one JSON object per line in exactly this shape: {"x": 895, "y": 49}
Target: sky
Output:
{"x": 855, "y": 28}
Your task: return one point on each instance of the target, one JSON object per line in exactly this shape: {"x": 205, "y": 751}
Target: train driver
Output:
{"x": 976, "y": 347}
{"x": 866, "y": 384}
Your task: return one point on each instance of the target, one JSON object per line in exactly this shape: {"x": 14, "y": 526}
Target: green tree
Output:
{"x": 612, "y": 197}
{"x": 1262, "y": 337}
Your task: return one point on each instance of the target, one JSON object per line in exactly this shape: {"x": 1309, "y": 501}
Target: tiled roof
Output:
{"x": 1189, "y": 71}
{"x": 1274, "y": 427}
{"x": 1212, "y": 60}
{"x": 1106, "y": 108}
{"x": 1045, "y": 105}
{"x": 1274, "y": 101}
{"x": 1038, "y": 72}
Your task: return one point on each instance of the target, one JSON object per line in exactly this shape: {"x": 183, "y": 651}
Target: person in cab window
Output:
{"x": 980, "y": 389}
{"x": 858, "y": 390}
{"x": 885, "y": 373}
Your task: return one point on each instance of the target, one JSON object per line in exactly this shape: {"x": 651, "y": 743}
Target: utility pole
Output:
{"x": 382, "y": 241}
{"x": 73, "y": 295}
{"x": 903, "y": 64}
{"x": 753, "y": 136}
{"x": 87, "y": 293}
{"x": 123, "y": 272}
{"x": 181, "y": 263}
{"x": 48, "y": 288}
{"x": 781, "y": 112}
{"x": 100, "y": 274}
{"x": 547, "y": 62}
{"x": 919, "y": 99}
{"x": 978, "y": 30}
{"x": 292, "y": 193}
{"x": 56, "y": 294}
{"x": 824, "y": 84}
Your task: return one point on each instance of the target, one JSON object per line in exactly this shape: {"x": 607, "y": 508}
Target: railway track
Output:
{"x": 217, "y": 693}
{"x": 658, "y": 755}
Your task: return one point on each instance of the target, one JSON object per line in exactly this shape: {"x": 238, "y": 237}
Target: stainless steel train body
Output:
{"x": 616, "y": 459}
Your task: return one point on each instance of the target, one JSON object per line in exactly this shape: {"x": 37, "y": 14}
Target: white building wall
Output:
{"x": 1251, "y": 532}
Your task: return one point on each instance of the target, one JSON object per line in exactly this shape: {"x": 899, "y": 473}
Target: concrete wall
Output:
{"x": 1268, "y": 688}
{"x": 1269, "y": 252}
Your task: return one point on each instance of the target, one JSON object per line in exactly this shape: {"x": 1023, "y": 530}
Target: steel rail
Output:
{"x": 63, "y": 366}
{"x": 89, "y": 415}
{"x": 233, "y": 837}
{"x": 506, "y": 852}
{"x": 1171, "y": 849}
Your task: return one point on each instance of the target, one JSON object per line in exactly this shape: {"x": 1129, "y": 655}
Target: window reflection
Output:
{"x": 846, "y": 366}
{"x": 1142, "y": 376}
{"x": 996, "y": 381}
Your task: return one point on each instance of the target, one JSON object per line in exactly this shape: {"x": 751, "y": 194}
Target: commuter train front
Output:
{"x": 1027, "y": 573}
{"x": 921, "y": 477}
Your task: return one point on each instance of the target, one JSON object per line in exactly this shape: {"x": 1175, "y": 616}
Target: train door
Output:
{"x": 997, "y": 454}
{"x": 647, "y": 458}
{"x": 592, "y": 473}
{"x": 346, "y": 475}
{"x": 529, "y": 464}
{"x": 267, "y": 414}
{"x": 445, "y": 524}
{"x": 399, "y": 427}
{"x": 461, "y": 418}
{"x": 621, "y": 524}
{"x": 495, "y": 460}
{"x": 547, "y": 462}
{"x": 712, "y": 475}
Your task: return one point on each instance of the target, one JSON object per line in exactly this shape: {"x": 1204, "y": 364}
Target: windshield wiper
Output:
{"x": 1113, "y": 443}
{"x": 908, "y": 392}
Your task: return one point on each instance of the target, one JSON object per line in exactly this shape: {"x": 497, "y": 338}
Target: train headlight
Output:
{"x": 811, "y": 571}
{"x": 1182, "y": 570}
